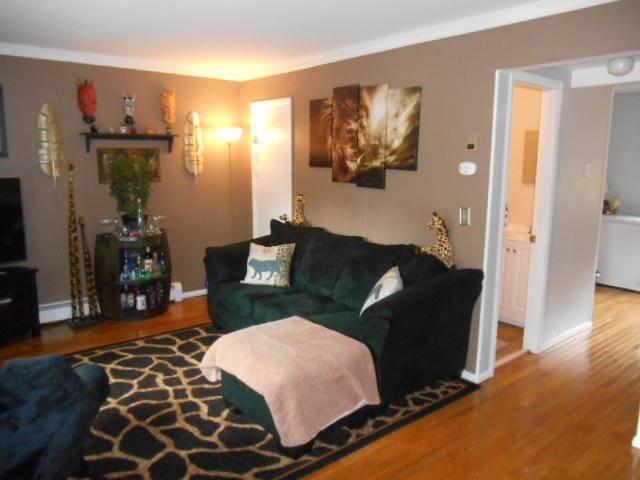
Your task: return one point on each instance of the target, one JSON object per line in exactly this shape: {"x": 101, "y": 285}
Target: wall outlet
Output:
{"x": 465, "y": 216}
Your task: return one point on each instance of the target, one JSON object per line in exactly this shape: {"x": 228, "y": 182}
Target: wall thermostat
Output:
{"x": 472, "y": 142}
{"x": 467, "y": 168}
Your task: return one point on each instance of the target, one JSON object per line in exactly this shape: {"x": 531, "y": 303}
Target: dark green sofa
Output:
{"x": 417, "y": 335}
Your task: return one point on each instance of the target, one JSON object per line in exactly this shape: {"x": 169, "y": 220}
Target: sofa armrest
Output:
{"x": 229, "y": 262}
{"x": 429, "y": 324}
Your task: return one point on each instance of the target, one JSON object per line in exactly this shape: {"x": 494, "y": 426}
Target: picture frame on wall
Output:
{"x": 106, "y": 156}
{"x": 4, "y": 146}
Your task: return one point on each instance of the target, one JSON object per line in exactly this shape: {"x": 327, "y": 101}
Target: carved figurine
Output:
{"x": 298, "y": 214}
{"x": 87, "y": 100}
{"x": 90, "y": 279}
{"x": 442, "y": 249}
{"x": 128, "y": 102}
{"x": 77, "y": 310}
{"x": 168, "y": 106}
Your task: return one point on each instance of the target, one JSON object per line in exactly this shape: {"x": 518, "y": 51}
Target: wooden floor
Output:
{"x": 569, "y": 413}
{"x": 509, "y": 340}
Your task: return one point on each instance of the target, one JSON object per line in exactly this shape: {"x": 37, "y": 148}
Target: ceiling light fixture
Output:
{"x": 620, "y": 66}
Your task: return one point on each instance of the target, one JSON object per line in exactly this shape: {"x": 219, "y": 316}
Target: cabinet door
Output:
{"x": 521, "y": 255}
{"x": 507, "y": 282}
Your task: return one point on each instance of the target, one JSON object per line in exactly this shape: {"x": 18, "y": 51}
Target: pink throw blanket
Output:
{"x": 309, "y": 375}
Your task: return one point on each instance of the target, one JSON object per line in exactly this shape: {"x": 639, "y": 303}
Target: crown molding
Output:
{"x": 508, "y": 16}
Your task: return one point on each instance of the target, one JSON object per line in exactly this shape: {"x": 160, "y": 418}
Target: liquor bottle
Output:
{"x": 156, "y": 269}
{"x": 160, "y": 293}
{"x": 131, "y": 302}
{"x": 141, "y": 301}
{"x": 148, "y": 261}
{"x": 123, "y": 298}
{"x": 163, "y": 263}
{"x": 139, "y": 218}
{"x": 124, "y": 274}
{"x": 151, "y": 297}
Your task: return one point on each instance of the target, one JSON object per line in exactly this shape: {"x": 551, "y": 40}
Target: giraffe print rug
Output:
{"x": 164, "y": 420}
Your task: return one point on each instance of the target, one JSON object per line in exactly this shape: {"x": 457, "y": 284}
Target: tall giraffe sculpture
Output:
{"x": 77, "y": 311}
{"x": 90, "y": 279}
{"x": 442, "y": 249}
{"x": 298, "y": 214}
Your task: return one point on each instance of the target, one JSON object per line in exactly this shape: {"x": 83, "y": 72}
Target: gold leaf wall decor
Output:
{"x": 193, "y": 145}
{"x": 50, "y": 147}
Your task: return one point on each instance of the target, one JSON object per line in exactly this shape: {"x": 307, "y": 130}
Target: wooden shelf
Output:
{"x": 88, "y": 136}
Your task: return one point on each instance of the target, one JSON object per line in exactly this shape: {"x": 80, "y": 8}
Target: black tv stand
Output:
{"x": 18, "y": 303}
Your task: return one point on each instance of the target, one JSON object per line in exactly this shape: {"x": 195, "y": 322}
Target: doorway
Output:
{"x": 551, "y": 103}
{"x": 271, "y": 162}
{"x": 518, "y": 222}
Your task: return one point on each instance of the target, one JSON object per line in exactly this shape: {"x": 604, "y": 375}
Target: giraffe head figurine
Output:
{"x": 437, "y": 223}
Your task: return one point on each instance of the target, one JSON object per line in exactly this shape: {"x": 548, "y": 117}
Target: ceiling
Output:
{"x": 244, "y": 39}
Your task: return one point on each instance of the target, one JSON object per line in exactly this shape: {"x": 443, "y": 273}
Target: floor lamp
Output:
{"x": 230, "y": 135}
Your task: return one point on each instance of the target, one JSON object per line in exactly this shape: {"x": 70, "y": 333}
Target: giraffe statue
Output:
{"x": 89, "y": 276}
{"x": 77, "y": 310}
{"x": 442, "y": 249}
{"x": 298, "y": 214}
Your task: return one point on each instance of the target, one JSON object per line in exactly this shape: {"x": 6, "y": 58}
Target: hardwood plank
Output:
{"x": 569, "y": 413}
{"x": 62, "y": 339}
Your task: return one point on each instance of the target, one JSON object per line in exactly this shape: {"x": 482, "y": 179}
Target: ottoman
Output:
{"x": 292, "y": 376}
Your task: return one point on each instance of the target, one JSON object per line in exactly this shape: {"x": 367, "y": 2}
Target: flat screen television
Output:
{"x": 12, "y": 243}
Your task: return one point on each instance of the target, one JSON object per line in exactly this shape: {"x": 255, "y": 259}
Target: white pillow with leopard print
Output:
{"x": 389, "y": 283}
{"x": 269, "y": 265}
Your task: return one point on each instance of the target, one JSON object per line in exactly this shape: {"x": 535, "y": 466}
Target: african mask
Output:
{"x": 128, "y": 102}
{"x": 87, "y": 100}
{"x": 168, "y": 106}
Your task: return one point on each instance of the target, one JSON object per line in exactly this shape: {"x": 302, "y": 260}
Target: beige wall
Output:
{"x": 584, "y": 135}
{"x": 457, "y": 77}
{"x": 197, "y": 215}
{"x": 526, "y": 116}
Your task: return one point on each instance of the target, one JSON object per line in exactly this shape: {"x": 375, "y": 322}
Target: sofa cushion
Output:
{"x": 364, "y": 267}
{"x": 415, "y": 268}
{"x": 269, "y": 265}
{"x": 324, "y": 260}
{"x": 389, "y": 283}
{"x": 300, "y": 235}
{"x": 302, "y": 303}
{"x": 240, "y": 297}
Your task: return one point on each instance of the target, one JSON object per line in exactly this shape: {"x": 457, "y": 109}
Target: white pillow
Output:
{"x": 389, "y": 283}
{"x": 269, "y": 265}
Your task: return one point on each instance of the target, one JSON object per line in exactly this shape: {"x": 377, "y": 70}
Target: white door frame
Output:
{"x": 255, "y": 158}
{"x": 543, "y": 213}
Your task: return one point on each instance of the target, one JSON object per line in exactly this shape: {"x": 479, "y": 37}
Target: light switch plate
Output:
{"x": 465, "y": 216}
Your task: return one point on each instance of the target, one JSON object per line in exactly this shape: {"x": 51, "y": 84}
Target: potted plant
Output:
{"x": 130, "y": 186}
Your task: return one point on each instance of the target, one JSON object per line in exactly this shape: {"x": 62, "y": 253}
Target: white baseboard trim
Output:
{"x": 194, "y": 293}
{"x": 511, "y": 356}
{"x": 58, "y": 311}
{"x": 476, "y": 378}
{"x": 565, "y": 335}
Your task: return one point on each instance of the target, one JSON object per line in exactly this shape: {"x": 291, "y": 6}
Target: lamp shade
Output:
{"x": 620, "y": 66}
{"x": 229, "y": 134}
